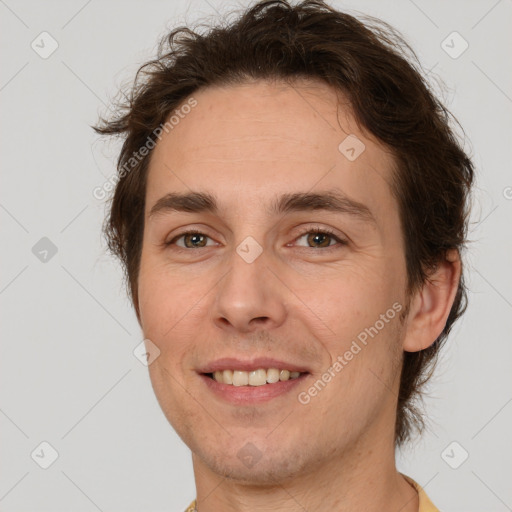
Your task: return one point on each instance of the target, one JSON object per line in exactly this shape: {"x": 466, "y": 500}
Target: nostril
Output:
{"x": 260, "y": 319}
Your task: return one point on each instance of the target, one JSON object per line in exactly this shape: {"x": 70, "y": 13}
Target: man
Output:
{"x": 290, "y": 209}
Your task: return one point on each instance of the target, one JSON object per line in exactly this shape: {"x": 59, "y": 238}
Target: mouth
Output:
{"x": 259, "y": 377}
{"x": 245, "y": 382}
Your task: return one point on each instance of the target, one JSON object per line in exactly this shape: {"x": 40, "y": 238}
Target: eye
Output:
{"x": 315, "y": 239}
{"x": 192, "y": 239}
{"x": 321, "y": 238}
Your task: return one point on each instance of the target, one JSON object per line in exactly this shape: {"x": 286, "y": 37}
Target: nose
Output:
{"x": 249, "y": 297}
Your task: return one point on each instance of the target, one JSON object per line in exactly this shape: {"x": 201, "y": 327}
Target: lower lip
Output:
{"x": 251, "y": 394}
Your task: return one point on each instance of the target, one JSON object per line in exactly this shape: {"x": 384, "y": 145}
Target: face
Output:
{"x": 295, "y": 264}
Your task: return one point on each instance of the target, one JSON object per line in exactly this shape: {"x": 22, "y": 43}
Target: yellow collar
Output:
{"x": 425, "y": 504}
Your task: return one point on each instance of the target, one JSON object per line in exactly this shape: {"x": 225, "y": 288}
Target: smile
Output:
{"x": 258, "y": 377}
{"x": 244, "y": 382}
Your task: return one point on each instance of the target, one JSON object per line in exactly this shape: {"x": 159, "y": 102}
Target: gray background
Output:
{"x": 68, "y": 375}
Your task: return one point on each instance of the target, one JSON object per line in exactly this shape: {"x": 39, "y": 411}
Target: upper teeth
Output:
{"x": 254, "y": 378}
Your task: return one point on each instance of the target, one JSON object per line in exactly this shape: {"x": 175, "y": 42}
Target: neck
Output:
{"x": 359, "y": 479}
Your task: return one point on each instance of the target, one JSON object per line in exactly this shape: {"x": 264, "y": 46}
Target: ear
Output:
{"x": 431, "y": 305}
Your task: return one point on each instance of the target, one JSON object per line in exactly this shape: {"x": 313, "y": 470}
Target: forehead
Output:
{"x": 249, "y": 142}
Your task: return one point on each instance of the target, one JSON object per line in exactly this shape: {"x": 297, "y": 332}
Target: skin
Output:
{"x": 298, "y": 302}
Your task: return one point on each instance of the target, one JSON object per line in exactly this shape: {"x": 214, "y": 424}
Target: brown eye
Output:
{"x": 190, "y": 240}
{"x": 320, "y": 239}
{"x": 193, "y": 240}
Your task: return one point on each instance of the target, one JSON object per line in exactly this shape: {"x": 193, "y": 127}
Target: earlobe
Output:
{"x": 431, "y": 305}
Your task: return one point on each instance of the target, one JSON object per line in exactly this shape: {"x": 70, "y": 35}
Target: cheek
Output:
{"x": 164, "y": 296}
{"x": 359, "y": 315}
{"x": 170, "y": 316}
{"x": 352, "y": 300}
{"x": 152, "y": 302}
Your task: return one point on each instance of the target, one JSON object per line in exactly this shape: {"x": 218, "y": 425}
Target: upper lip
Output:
{"x": 232, "y": 363}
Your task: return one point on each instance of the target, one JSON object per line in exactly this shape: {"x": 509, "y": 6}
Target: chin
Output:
{"x": 239, "y": 459}
{"x": 265, "y": 472}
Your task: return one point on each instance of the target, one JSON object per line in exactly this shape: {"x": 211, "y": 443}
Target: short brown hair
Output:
{"x": 379, "y": 74}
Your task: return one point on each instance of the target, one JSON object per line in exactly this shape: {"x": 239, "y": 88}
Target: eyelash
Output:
{"x": 322, "y": 231}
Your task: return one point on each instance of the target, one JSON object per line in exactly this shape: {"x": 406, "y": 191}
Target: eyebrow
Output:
{"x": 332, "y": 201}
